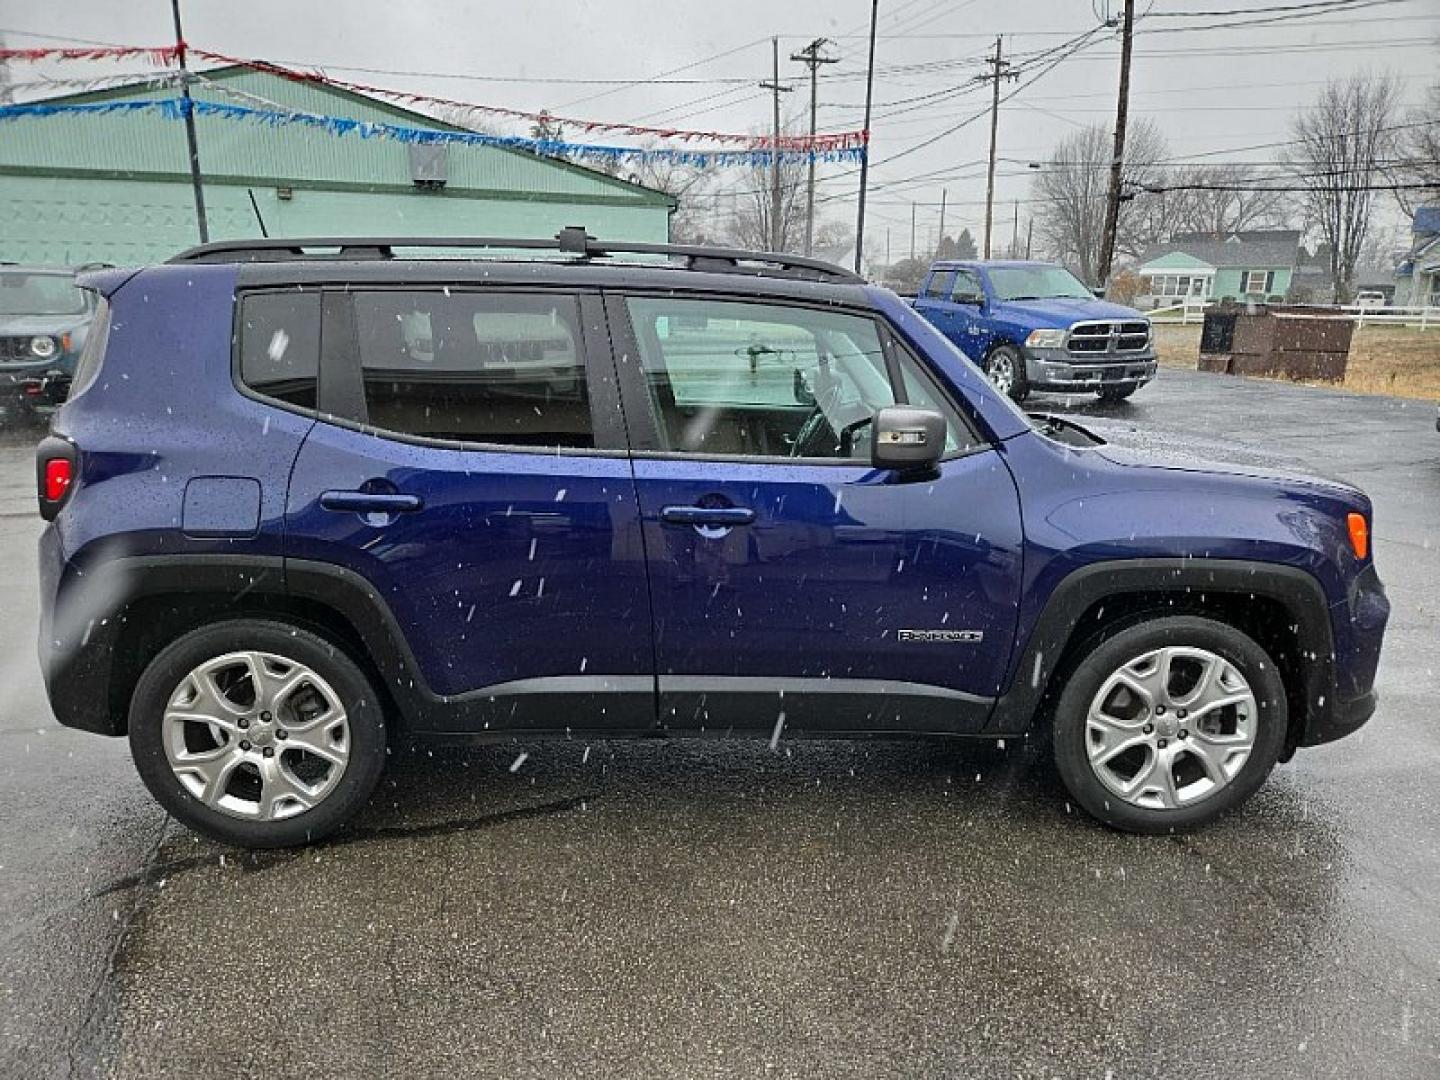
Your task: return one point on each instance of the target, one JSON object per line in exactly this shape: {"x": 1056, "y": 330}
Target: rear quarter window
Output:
{"x": 279, "y": 342}
{"x": 87, "y": 368}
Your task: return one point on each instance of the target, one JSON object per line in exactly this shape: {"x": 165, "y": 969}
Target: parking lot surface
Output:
{"x": 721, "y": 909}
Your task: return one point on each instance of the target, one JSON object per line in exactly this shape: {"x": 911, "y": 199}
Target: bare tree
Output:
{"x": 755, "y": 207}
{"x": 688, "y": 184}
{"x": 1340, "y": 148}
{"x": 1418, "y": 153}
{"x": 1070, "y": 193}
{"x": 1215, "y": 199}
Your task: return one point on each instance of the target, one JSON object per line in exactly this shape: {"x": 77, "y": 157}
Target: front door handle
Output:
{"x": 706, "y": 515}
{"x": 370, "y": 502}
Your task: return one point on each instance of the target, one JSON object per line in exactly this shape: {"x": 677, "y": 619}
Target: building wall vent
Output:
{"x": 429, "y": 165}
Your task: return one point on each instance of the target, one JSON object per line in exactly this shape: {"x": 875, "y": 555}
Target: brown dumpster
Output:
{"x": 1288, "y": 340}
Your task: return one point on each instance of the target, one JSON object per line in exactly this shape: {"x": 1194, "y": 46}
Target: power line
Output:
{"x": 663, "y": 74}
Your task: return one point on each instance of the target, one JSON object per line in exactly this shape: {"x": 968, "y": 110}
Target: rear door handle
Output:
{"x": 367, "y": 502}
{"x": 705, "y": 515}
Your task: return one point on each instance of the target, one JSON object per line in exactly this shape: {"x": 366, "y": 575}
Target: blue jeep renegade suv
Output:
{"x": 307, "y": 495}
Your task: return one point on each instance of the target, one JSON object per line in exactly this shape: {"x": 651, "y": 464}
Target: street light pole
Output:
{"x": 188, "y": 108}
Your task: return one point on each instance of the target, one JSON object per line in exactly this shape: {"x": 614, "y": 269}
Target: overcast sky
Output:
{"x": 1212, "y": 92}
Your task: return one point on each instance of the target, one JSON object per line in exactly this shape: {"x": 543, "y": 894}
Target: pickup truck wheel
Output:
{"x": 1006, "y": 368}
{"x": 257, "y": 733}
{"x": 1168, "y": 723}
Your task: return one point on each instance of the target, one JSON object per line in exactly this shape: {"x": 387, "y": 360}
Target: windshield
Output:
{"x": 40, "y": 294}
{"x": 1037, "y": 283}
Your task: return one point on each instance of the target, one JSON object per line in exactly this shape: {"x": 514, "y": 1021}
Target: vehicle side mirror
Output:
{"x": 977, "y": 299}
{"x": 1099, "y": 292}
{"x": 907, "y": 438}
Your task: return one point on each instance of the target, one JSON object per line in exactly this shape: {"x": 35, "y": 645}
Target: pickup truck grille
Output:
{"x": 1104, "y": 338}
{"x": 13, "y": 349}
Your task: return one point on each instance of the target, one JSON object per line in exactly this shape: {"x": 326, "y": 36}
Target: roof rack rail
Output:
{"x": 573, "y": 241}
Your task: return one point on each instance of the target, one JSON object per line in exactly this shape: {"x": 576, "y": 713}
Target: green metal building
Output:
{"x": 116, "y": 188}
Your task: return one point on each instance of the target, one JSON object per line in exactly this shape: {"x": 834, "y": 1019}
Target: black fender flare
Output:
{"x": 1298, "y": 591}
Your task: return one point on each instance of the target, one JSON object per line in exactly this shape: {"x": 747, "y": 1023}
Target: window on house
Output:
{"x": 1255, "y": 281}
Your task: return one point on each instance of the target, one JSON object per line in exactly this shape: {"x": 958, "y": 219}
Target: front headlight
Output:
{"x": 1045, "y": 339}
{"x": 42, "y": 347}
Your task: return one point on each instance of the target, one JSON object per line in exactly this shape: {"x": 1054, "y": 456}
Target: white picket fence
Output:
{"x": 1183, "y": 313}
{"x": 1420, "y": 316}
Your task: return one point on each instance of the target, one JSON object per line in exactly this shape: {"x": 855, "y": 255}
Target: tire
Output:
{"x": 1207, "y": 774}
{"x": 1006, "y": 368}
{"x": 253, "y": 780}
{"x": 1116, "y": 393}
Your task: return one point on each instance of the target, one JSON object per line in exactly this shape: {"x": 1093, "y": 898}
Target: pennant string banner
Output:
{"x": 175, "y": 108}
{"x": 820, "y": 146}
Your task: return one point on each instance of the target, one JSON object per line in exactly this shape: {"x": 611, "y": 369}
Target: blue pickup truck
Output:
{"x": 1035, "y": 326}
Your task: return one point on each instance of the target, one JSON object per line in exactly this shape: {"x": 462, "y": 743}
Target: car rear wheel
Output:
{"x": 257, "y": 733}
{"x": 1168, "y": 723}
{"x": 1006, "y": 369}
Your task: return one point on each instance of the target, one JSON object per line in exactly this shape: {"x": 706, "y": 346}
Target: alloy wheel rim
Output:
{"x": 256, "y": 736}
{"x": 1171, "y": 727}
{"x": 1002, "y": 371}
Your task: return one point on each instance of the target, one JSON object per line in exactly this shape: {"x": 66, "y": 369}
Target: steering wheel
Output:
{"x": 810, "y": 441}
{"x": 818, "y": 438}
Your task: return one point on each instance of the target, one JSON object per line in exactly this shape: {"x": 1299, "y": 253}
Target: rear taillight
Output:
{"x": 58, "y": 474}
{"x": 56, "y": 466}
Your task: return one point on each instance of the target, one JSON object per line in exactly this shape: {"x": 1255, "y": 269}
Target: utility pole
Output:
{"x": 887, "y": 246}
{"x": 1029, "y": 235}
{"x": 1015, "y": 233}
{"x": 811, "y": 58}
{"x": 188, "y": 107}
{"x": 865, "y": 150}
{"x": 1117, "y": 162}
{"x": 1001, "y": 71}
{"x": 943, "y": 193}
{"x": 777, "y": 235}
{"x": 912, "y": 232}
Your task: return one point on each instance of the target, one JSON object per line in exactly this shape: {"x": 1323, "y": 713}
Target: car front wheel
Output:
{"x": 257, "y": 733}
{"x": 1168, "y": 723}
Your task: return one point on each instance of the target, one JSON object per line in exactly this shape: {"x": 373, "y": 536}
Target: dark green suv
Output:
{"x": 44, "y": 319}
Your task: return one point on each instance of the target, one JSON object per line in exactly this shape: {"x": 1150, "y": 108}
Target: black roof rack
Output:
{"x": 572, "y": 241}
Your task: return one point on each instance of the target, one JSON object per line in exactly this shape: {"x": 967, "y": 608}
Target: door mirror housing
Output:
{"x": 907, "y": 438}
{"x": 974, "y": 299}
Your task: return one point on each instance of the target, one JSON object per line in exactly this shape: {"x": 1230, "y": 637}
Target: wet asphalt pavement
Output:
{"x": 718, "y": 909}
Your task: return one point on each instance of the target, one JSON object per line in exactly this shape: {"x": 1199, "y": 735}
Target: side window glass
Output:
{"x": 966, "y": 288}
{"x": 766, "y": 380}
{"x": 280, "y": 345}
{"x": 922, "y": 391}
{"x": 474, "y": 366}
{"x": 760, "y": 380}
{"x": 935, "y": 285}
